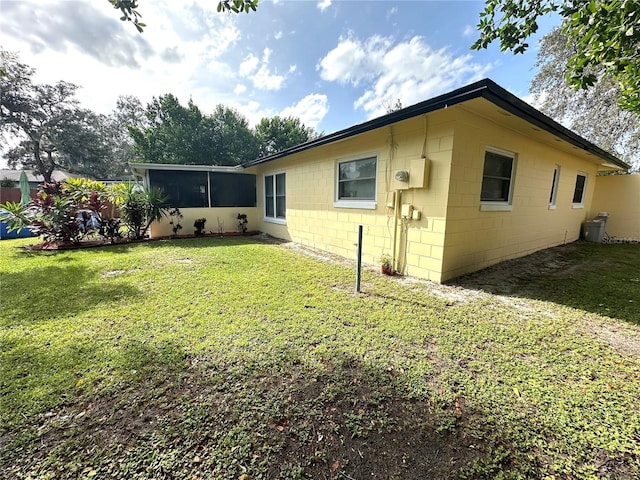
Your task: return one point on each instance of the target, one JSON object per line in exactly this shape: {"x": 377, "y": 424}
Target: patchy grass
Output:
{"x": 603, "y": 279}
{"x": 229, "y": 358}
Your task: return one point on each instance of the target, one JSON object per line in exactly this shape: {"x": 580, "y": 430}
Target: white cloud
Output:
{"x": 264, "y": 80}
{"x": 258, "y": 72}
{"x": 240, "y": 89}
{"x": 249, "y": 65}
{"x": 278, "y": 35}
{"x": 180, "y": 51}
{"x": 324, "y": 4}
{"x": 468, "y": 31}
{"x": 310, "y": 110}
{"x": 352, "y": 61}
{"x": 411, "y": 70}
{"x": 253, "y": 112}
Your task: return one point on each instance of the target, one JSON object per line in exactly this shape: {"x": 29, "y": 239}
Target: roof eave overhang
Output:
{"x": 486, "y": 89}
{"x": 137, "y": 168}
{"x": 512, "y": 104}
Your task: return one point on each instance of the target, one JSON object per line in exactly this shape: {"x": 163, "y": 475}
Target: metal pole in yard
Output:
{"x": 359, "y": 259}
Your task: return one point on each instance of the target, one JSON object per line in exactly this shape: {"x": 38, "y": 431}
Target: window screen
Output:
{"x": 183, "y": 189}
{"x": 191, "y": 189}
{"x": 232, "y": 190}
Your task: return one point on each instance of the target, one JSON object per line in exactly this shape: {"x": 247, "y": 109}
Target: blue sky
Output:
{"x": 331, "y": 63}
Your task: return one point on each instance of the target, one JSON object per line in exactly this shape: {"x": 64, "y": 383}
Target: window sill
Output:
{"x": 495, "y": 207}
{"x": 577, "y": 206}
{"x": 364, "y": 204}
{"x": 552, "y": 207}
{"x": 279, "y": 221}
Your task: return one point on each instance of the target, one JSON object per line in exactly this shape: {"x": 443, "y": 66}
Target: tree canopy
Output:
{"x": 613, "y": 129}
{"x": 51, "y": 127}
{"x": 177, "y": 134}
{"x": 277, "y": 133}
{"x": 604, "y": 34}
{"x": 54, "y": 131}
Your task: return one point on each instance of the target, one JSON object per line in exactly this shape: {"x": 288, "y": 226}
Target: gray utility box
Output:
{"x": 593, "y": 230}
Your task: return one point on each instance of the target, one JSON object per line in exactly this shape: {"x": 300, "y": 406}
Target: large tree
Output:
{"x": 604, "y": 33}
{"x": 173, "y": 133}
{"x": 129, "y": 113}
{"x": 279, "y": 133}
{"x": 51, "y": 128}
{"x": 184, "y": 135}
{"x": 234, "y": 141}
{"x": 612, "y": 128}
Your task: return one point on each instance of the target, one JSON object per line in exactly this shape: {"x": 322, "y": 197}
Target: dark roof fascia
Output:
{"x": 509, "y": 102}
{"x": 443, "y": 101}
{"x": 485, "y": 88}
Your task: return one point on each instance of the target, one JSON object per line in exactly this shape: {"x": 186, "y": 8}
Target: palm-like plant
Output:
{"x": 139, "y": 207}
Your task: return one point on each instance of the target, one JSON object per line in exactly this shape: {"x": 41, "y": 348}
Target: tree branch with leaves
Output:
{"x": 606, "y": 35}
{"x": 130, "y": 13}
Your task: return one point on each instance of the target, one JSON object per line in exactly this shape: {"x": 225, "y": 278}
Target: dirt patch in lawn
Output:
{"x": 345, "y": 423}
{"x": 624, "y": 339}
{"x": 510, "y": 277}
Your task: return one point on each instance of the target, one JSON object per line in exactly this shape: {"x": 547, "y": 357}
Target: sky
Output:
{"x": 332, "y": 63}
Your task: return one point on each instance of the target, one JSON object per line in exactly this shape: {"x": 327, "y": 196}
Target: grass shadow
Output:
{"x": 598, "y": 278}
{"x": 48, "y": 292}
{"x": 180, "y": 414}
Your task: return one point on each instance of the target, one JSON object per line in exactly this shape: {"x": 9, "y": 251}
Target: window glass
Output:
{"x": 275, "y": 203}
{"x": 554, "y": 186}
{"x": 578, "y": 193}
{"x": 281, "y": 204}
{"x": 357, "y": 179}
{"x": 497, "y": 177}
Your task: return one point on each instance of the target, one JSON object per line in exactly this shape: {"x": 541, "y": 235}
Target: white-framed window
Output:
{"x": 356, "y": 182}
{"x": 554, "y": 188}
{"x": 497, "y": 179}
{"x": 580, "y": 191}
{"x": 275, "y": 198}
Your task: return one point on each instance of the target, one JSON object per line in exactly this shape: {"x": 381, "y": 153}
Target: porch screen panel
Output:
{"x": 233, "y": 189}
{"x": 183, "y": 189}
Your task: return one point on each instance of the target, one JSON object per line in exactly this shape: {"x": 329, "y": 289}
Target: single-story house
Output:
{"x": 34, "y": 178}
{"x": 446, "y": 187}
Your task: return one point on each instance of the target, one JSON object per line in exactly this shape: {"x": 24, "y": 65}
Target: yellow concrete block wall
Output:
{"x": 314, "y": 220}
{"x": 619, "y": 196}
{"x": 476, "y": 238}
{"x": 227, "y": 216}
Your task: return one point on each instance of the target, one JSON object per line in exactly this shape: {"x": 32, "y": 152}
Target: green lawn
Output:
{"x": 235, "y": 359}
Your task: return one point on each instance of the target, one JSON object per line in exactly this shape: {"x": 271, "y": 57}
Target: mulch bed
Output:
{"x": 48, "y": 246}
